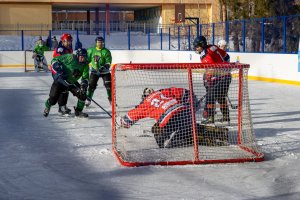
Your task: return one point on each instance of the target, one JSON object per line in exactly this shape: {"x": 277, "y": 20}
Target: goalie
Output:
{"x": 40, "y": 62}
{"x": 171, "y": 109}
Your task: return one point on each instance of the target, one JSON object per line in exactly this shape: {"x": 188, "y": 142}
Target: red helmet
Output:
{"x": 66, "y": 36}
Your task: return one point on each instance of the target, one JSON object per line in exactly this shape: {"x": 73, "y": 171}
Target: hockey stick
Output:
{"x": 99, "y": 106}
{"x": 233, "y": 106}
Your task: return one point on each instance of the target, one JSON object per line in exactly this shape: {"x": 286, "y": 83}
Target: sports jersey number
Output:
{"x": 157, "y": 102}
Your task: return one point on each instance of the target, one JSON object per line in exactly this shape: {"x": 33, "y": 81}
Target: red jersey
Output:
{"x": 61, "y": 50}
{"x": 160, "y": 105}
{"x": 213, "y": 54}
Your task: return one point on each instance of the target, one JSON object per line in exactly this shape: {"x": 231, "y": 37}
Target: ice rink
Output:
{"x": 66, "y": 158}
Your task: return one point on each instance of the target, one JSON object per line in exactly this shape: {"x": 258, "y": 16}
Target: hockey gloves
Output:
{"x": 104, "y": 69}
{"x": 80, "y": 92}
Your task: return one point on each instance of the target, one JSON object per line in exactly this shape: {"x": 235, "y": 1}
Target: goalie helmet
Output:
{"x": 146, "y": 92}
{"x": 200, "y": 41}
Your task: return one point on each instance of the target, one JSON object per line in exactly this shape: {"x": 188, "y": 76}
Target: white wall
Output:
{"x": 272, "y": 66}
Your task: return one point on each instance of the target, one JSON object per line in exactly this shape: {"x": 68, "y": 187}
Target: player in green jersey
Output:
{"x": 66, "y": 71}
{"x": 100, "y": 60}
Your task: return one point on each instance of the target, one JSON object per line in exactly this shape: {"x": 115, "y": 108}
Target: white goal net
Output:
{"x": 172, "y": 114}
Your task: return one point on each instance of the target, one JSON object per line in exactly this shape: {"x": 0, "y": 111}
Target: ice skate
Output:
{"x": 208, "y": 120}
{"x": 80, "y": 114}
{"x": 225, "y": 121}
{"x": 46, "y": 112}
{"x": 64, "y": 110}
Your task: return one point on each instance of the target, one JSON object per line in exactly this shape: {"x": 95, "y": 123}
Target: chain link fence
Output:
{"x": 276, "y": 35}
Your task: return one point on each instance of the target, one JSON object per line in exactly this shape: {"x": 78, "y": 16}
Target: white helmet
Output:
{"x": 222, "y": 43}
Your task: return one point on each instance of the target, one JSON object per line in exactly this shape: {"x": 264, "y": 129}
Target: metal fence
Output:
{"x": 277, "y": 35}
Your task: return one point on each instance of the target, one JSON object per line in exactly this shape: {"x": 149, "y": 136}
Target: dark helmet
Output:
{"x": 82, "y": 52}
{"x": 200, "y": 41}
{"x": 101, "y": 39}
{"x": 146, "y": 92}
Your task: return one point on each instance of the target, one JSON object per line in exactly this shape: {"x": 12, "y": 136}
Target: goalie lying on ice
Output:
{"x": 171, "y": 108}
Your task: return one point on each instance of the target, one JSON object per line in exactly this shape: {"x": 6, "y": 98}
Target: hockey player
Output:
{"x": 170, "y": 108}
{"x": 100, "y": 60}
{"x": 64, "y": 47}
{"x": 66, "y": 70}
{"x": 40, "y": 61}
{"x": 216, "y": 81}
{"x": 222, "y": 44}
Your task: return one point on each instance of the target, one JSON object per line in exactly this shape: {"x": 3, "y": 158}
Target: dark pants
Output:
{"x": 62, "y": 99}
{"x": 217, "y": 92}
{"x": 106, "y": 82}
{"x": 57, "y": 89}
{"x": 181, "y": 125}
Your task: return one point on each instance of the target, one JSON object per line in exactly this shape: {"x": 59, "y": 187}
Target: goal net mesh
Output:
{"x": 196, "y": 113}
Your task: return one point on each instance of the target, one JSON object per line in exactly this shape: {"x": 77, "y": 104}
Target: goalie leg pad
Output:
{"x": 212, "y": 136}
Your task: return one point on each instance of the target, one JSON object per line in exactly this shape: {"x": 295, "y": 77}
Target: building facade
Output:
{"x": 55, "y": 14}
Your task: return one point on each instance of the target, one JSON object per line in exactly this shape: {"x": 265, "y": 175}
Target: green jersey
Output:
{"x": 71, "y": 69}
{"x": 98, "y": 58}
{"x": 40, "y": 49}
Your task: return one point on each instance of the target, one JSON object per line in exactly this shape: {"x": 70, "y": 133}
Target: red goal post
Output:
{"x": 204, "y": 143}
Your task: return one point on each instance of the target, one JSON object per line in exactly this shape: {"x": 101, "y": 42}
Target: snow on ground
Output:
{"x": 68, "y": 158}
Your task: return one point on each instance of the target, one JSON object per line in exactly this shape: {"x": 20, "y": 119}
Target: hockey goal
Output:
{"x": 29, "y": 60}
{"x": 219, "y": 141}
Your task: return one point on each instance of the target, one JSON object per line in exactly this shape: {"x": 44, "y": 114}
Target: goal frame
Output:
{"x": 28, "y": 67}
{"x": 257, "y": 155}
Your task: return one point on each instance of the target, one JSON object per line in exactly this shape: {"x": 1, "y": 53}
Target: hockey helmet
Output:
{"x": 66, "y": 36}
{"x": 200, "y": 41}
{"x": 146, "y": 92}
{"x": 82, "y": 52}
{"x": 222, "y": 43}
{"x": 101, "y": 39}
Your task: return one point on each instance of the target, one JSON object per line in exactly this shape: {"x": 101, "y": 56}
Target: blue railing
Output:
{"x": 277, "y": 35}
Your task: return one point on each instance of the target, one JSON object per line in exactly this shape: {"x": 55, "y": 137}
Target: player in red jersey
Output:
{"x": 216, "y": 81}
{"x": 64, "y": 47}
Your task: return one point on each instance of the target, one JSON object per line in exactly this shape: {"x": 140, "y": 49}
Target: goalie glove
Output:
{"x": 124, "y": 122}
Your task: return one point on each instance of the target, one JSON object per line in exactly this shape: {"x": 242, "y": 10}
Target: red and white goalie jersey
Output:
{"x": 160, "y": 105}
